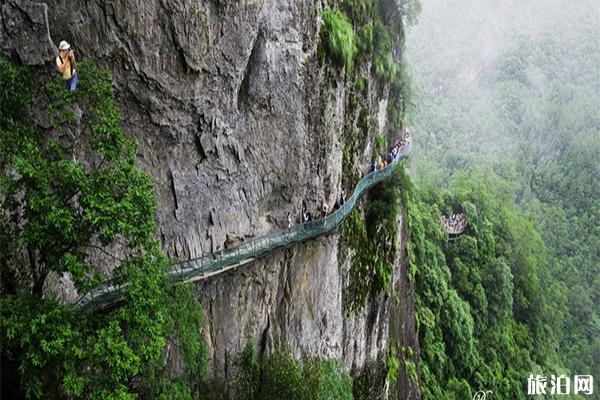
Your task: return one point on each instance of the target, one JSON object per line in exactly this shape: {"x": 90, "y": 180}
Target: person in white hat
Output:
{"x": 66, "y": 65}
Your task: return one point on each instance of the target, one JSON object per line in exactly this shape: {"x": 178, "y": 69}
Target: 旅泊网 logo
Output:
{"x": 560, "y": 385}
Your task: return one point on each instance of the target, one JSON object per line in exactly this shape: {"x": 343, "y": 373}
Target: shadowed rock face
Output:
{"x": 238, "y": 125}
{"x": 24, "y": 30}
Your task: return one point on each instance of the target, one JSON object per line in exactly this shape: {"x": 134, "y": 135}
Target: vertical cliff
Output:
{"x": 239, "y": 125}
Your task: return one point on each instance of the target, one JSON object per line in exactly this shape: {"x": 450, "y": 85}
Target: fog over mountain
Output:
{"x": 459, "y": 49}
{"x": 507, "y": 93}
{"x": 469, "y": 34}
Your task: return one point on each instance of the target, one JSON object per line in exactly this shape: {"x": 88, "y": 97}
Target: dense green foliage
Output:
{"x": 338, "y": 38}
{"x": 514, "y": 138}
{"x": 373, "y": 242}
{"x": 369, "y": 33}
{"x": 185, "y": 324}
{"x": 481, "y": 311}
{"x": 280, "y": 376}
{"x": 55, "y": 210}
{"x": 380, "y": 36}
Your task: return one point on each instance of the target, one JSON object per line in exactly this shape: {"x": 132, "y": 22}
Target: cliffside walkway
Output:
{"x": 454, "y": 225}
{"x": 221, "y": 261}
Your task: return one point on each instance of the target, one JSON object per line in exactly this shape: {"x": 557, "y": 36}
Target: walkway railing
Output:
{"x": 218, "y": 262}
{"x": 455, "y": 224}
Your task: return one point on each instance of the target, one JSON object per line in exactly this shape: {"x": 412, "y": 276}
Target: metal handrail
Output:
{"x": 220, "y": 261}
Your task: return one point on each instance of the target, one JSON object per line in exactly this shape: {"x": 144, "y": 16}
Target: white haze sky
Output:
{"x": 468, "y": 33}
{"x": 456, "y": 43}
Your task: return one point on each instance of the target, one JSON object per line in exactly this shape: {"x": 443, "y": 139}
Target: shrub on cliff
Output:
{"x": 281, "y": 376}
{"x": 56, "y": 210}
{"x": 337, "y": 37}
{"x": 373, "y": 241}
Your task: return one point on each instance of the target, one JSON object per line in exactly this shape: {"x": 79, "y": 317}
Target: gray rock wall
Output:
{"x": 238, "y": 125}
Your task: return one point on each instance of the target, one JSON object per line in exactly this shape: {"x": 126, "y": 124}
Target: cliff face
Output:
{"x": 238, "y": 125}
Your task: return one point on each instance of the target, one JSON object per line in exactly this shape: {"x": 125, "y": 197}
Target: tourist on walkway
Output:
{"x": 304, "y": 217}
{"x": 325, "y": 209}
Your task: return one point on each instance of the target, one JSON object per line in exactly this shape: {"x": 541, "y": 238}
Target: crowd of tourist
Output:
{"x": 455, "y": 223}
{"x": 380, "y": 163}
{"x": 405, "y": 138}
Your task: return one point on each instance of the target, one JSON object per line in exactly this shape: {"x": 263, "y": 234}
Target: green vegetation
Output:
{"x": 338, "y": 38}
{"x": 518, "y": 293}
{"x": 409, "y": 365}
{"x": 379, "y": 147}
{"x": 280, "y": 376}
{"x": 480, "y": 313}
{"x": 373, "y": 242}
{"x": 185, "y": 324}
{"x": 380, "y": 36}
{"x": 392, "y": 364}
{"x": 57, "y": 210}
{"x": 370, "y": 32}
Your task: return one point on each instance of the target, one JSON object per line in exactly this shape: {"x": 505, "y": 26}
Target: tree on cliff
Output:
{"x": 55, "y": 210}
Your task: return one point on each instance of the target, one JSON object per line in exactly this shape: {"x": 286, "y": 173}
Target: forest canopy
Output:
{"x": 507, "y": 115}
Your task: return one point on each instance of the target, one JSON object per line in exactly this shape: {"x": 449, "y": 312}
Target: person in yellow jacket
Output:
{"x": 66, "y": 65}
